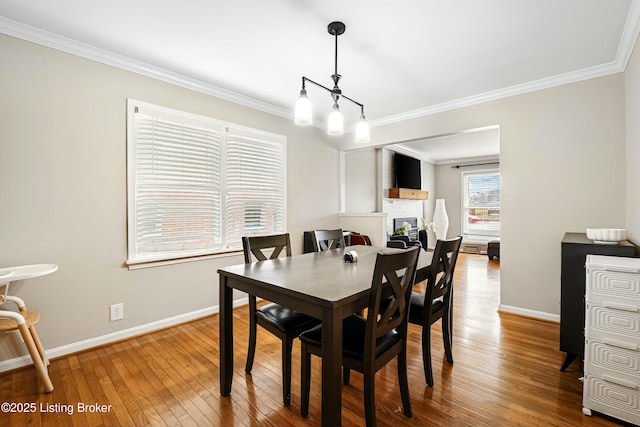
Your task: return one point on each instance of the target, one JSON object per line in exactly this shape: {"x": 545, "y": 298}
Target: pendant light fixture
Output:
{"x": 335, "y": 123}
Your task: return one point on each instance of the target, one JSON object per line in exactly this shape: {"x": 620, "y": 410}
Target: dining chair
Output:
{"x": 368, "y": 344}
{"x": 324, "y": 240}
{"x": 281, "y": 321}
{"x": 437, "y": 301}
{"x": 359, "y": 239}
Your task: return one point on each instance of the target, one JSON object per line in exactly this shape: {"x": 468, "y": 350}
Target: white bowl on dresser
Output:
{"x": 609, "y": 236}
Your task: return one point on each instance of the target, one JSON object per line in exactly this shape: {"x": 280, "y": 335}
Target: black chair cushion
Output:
{"x": 416, "y": 306}
{"x": 286, "y": 319}
{"x": 353, "y": 332}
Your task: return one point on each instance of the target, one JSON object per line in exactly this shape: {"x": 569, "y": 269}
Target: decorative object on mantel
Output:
{"x": 607, "y": 236}
{"x": 335, "y": 125}
{"x": 440, "y": 220}
{"x": 408, "y": 193}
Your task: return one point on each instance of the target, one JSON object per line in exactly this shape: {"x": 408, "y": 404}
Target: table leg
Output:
{"x": 331, "y": 368}
{"x": 226, "y": 336}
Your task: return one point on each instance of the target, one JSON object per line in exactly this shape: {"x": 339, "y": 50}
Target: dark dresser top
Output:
{"x": 581, "y": 238}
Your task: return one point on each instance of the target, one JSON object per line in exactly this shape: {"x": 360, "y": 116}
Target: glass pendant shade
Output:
{"x": 303, "y": 112}
{"x": 335, "y": 124}
{"x": 362, "y": 130}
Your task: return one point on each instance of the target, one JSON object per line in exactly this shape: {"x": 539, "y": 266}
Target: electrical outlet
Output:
{"x": 117, "y": 312}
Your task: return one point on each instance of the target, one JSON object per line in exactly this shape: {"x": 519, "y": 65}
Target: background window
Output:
{"x": 197, "y": 185}
{"x": 481, "y": 203}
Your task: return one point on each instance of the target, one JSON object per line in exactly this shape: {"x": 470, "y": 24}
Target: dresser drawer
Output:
{"x": 615, "y": 285}
{"x": 603, "y": 359}
{"x": 612, "y": 399}
{"x": 603, "y": 322}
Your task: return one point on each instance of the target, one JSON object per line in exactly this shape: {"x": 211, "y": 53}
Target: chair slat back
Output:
{"x": 396, "y": 271}
{"x": 258, "y": 247}
{"x": 441, "y": 270}
{"x": 323, "y": 240}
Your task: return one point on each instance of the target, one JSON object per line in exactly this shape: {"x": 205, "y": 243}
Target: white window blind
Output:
{"x": 254, "y": 187}
{"x": 481, "y": 203}
{"x": 197, "y": 185}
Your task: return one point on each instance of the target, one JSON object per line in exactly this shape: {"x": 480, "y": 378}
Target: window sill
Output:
{"x": 140, "y": 264}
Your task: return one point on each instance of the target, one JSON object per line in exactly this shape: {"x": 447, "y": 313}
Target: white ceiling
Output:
{"x": 400, "y": 59}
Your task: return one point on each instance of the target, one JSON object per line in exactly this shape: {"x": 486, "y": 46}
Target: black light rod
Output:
{"x": 305, "y": 79}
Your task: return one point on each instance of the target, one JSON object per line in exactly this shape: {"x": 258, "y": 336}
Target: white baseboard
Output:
{"x": 529, "y": 313}
{"x": 18, "y": 362}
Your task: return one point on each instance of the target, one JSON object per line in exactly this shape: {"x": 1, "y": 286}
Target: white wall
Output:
{"x": 63, "y": 192}
{"x": 361, "y": 180}
{"x": 632, "y": 98}
{"x": 562, "y": 169}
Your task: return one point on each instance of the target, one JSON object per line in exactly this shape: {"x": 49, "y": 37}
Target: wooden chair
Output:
{"x": 368, "y": 344}
{"x": 437, "y": 301}
{"x": 24, "y": 321}
{"x": 281, "y": 321}
{"x": 324, "y": 240}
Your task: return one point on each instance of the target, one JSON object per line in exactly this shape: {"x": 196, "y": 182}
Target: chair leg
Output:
{"x": 251, "y": 351}
{"x": 36, "y": 341}
{"x": 41, "y": 369}
{"x": 404, "y": 383}
{"x": 346, "y": 375}
{"x": 446, "y": 337}
{"x": 34, "y": 334}
{"x": 287, "y": 345}
{"x": 305, "y": 380}
{"x": 426, "y": 354}
{"x": 369, "y": 399}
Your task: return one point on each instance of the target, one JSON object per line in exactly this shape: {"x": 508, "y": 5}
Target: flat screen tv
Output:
{"x": 407, "y": 172}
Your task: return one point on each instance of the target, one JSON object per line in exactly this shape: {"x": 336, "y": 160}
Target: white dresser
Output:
{"x": 612, "y": 338}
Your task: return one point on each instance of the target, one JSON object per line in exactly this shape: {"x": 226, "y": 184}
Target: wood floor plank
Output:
{"x": 506, "y": 372}
{"x": 144, "y": 411}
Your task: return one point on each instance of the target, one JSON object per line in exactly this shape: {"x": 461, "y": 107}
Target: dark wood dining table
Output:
{"x": 319, "y": 284}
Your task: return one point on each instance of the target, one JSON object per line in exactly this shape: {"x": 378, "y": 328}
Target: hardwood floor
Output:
{"x": 506, "y": 373}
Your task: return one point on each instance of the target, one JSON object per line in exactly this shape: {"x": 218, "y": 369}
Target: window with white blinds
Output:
{"x": 481, "y": 203}
{"x": 196, "y": 185}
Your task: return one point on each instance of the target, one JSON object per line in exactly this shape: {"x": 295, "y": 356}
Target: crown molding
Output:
{"x": 64, "y": 44}
{"x": 54, "y": 41}
{"x": 625, "y": 49}
{"x": 629, "y": 35}
{"x": 559, "y": 80}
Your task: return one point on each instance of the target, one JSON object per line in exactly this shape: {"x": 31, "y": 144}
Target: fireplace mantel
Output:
{"x": 408, "y": 193}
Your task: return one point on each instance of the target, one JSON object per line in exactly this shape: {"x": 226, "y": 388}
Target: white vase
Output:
{"x": 440, "y": 220}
